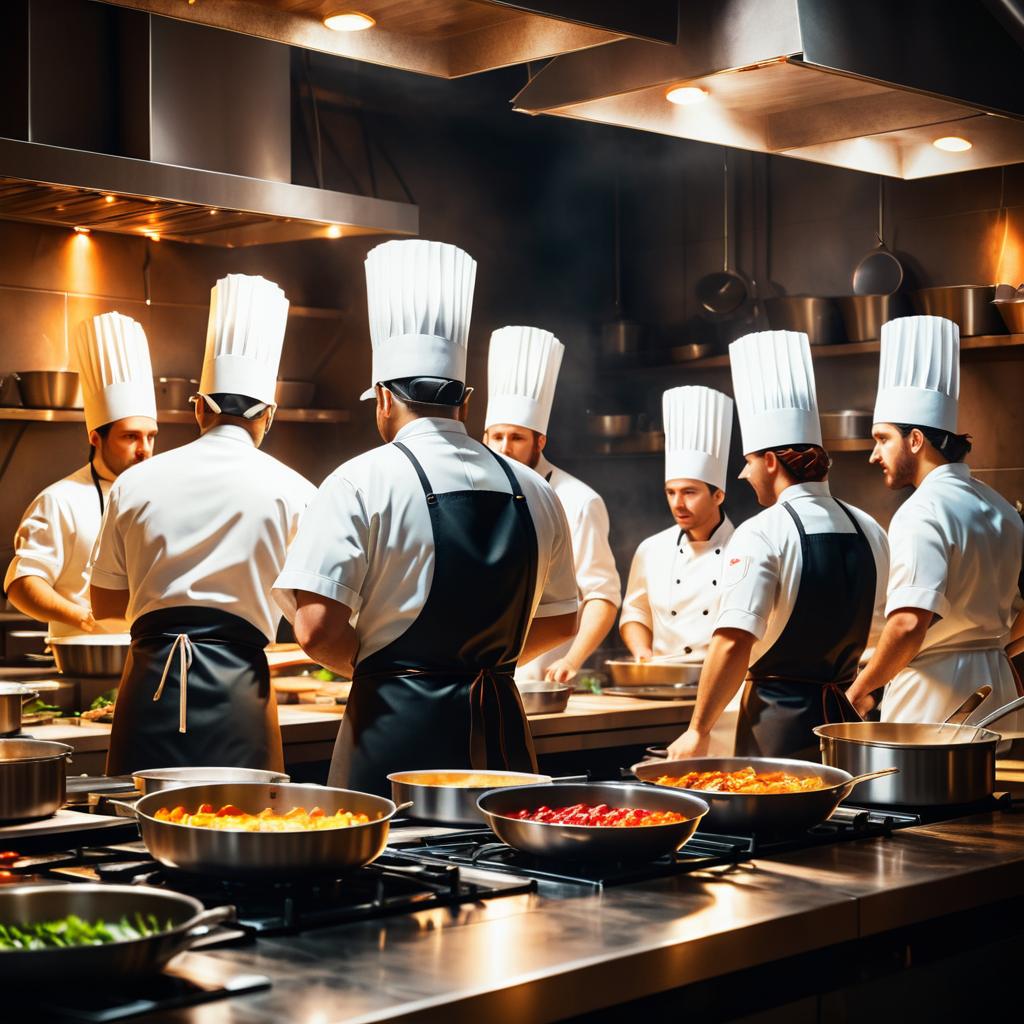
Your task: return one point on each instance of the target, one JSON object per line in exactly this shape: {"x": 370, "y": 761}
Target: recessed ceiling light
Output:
{"x": 108, "y": 199}
{"x": 153, "y": 236}
{"x": 334, "y": 231}
{"x": 953, "y": 144}
{"x": 686, "y": 95}
{"x": 81, "y": 231}
{"x": 349, "y": 21}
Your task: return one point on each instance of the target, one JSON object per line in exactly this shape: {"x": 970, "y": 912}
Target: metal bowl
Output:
{"x": 543, "y": 698}
{"x": 1012, "y": 314}
{"x": 92, "y": 654}
{"x": 625, "y": 672}
{"x": 610, "y": 425}
{"x": 814, "y": 315}
{"x": 27, "y": 904}
{"x": 863, "y": 315}
{"x": 33, "y": 778}
{"x": 967, "y": 305}
{"x": 432, "y": 800}
{"x": 846, "y": 424}
{"x": 155, "y": 779}
{"x": 588, "y": 842}
{"x": 49, "y": 389}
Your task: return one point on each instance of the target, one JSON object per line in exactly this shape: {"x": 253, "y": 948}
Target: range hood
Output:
{"x": 868, "y": 85}
{"x": 113, "y": 120}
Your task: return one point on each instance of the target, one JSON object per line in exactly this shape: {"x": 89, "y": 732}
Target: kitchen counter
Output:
{"x": 563, "y": 952}
{"x": 590, "y": 722}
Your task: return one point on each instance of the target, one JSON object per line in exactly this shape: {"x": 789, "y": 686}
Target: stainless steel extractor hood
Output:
{"x": 869, "y": 85}
{"x": 114, "y": 120}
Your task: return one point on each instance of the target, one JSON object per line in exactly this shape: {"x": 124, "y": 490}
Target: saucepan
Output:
{"x": 12, "y": 697}
{"x": 255, "y": 854}
{"x": 451, "y": 796}
{"x": 655, "y": 672}
{"x": 939, "y": 765}
{"x": 33, "y": 778}
{"x": 761, "y": 813}
{"x": 182, "y": 919}
{"x": 585, "y": 842}
{"x": 154, "y": 780}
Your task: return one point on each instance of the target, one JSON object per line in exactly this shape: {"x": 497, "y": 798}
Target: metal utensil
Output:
{"x": 1013, "y": 314}
{"x": 92, "y": 654}
{"x": 28, "y": 904}
{"x": 256, "y": 854}
{"x": 49, "y": 389}
{"x": 879, "y": 272}
{"x": 582, "y": 842}
{"x": 813, "y": 315}
{"x": 155, "y": 780}
{"x": 761, "y": 813}
{"x": 544, "y": 698}
{"x": 694, "y": 350}
{"x": 846, "y": 424}
{"x": 724, "y": 293}
{"x": 610, "y": 424}
{"x": 13, "y": 696}
{"x": 626, "y": 672}
{"x": 863, "y": 315}
{"x": 1001, "y": 712}
{"x": 970, "y": 306}
{"x": 431, "y": 800}
{"x": 33, "y": 780}
{"x": 680, "y": 691}
{"x": 960, "y": 714}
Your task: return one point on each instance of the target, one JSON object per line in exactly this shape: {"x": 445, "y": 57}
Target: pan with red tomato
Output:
{"x": 603, "y": 821}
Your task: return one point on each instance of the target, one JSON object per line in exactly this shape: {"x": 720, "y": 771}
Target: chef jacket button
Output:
{"x": 704, "y": 612}
{"x": 714, "y": 583}
{"x": 687, "y": 650}
{"x": 679, "y": 581}
{"x": 718, "y": 551}
{"x": 673, "y": 613}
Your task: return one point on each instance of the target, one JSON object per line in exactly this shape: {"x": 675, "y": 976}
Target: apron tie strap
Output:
{"x": 838, "y": 694}
{"x": 486, "y": 689}
{"x": 183, "y": 645}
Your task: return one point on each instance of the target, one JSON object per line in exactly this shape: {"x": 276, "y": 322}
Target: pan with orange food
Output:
{"x": 254, "y": 829}
{"x": 757, "y": 795}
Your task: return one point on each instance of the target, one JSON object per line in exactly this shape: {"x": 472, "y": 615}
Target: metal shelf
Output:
{"x": 18, "y": 413}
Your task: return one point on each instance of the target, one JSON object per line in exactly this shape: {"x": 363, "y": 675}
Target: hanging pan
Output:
{"x": 879, "y": 271}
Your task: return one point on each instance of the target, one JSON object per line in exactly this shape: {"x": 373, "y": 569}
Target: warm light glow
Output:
{"x": 149, "y": 302}
{"x": 349, "y": 21}
{"x": 214, "y": 212}
{"x": 108, "y": 199}
{"x": 81, "y": 231}
{"x": 153, "y": 236}
{"x": 334, "y": 231}
{"x": 686, "y": 95}
{"x": 953, "y": 144}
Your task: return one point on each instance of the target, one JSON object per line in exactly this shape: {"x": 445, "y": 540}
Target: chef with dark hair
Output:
{"x": 190, "y": 545}
{"x": 956, "y": 544}
{"x": 803, "y": 581}
{"x": 430, "y": 564}
{"x": 47, "y": 578}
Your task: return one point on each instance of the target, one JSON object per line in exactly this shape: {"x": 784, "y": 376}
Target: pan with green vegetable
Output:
{"x": 57, "y": 933}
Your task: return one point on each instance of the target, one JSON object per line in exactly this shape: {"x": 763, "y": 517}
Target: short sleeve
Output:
{"x": 596, "y": 575}
{"x": 328, "y": 556}
{"x": 636, "y": 606}
{"x": 559, "y": 594}
{"x": 750, "y": 582}
{"x": 38, "y": 543}
{"x": 918, "y": 565}
{"x": 108, "y": 567}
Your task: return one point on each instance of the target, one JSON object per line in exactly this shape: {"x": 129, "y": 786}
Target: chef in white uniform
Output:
{"x": 190, "y": 545}
{"x": 430, "y": 564}
{"x": 47, "y": 577}
{"x": 804, "y": 580}
{"x": 522, "y": 371}
{"x": 955, "y": 543}
{"x": 675, "y": 581}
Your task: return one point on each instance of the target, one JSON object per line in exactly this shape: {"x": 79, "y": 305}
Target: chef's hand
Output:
{"x": 863, "y": 704}
{"x": 87, "y": 624}
{"x": 690, "y": 744}
{"x": 561, "y": 671}
{"x": 643, "y": 654}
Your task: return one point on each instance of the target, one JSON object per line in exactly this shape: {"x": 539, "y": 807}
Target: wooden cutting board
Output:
{"x": 287, "y": 656}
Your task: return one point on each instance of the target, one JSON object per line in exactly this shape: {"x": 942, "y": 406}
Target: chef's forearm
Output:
{"x": 897, "y": 647}
{"x": 596, "y": 619}
{"x": 35, "y": 597}
{"x": 324, "y": 631}
{"x": 638, "y": 638}
{"x": 723, "y": 673}
{"x": 545, "y": 633}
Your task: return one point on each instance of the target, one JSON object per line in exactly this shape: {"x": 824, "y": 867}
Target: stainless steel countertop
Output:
{"x": 545, "y": 956}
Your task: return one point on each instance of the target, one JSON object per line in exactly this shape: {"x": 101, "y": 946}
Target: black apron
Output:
{"x": 195, "y": 691}
{"x": 442, "y": 695}
{"x": 800, "y": 682}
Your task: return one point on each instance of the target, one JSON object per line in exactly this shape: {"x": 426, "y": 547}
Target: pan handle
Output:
{"x": 1000, "y": 713}
{"x": 202, "y": 924}
{"x": 868, "y": 776}
{"x": 403, "y": 807}
{"x": 657, "y": 753}
{"x": 124, "y": 805}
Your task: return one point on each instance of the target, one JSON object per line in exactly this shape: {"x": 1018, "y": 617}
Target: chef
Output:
{"x": 955, "y": 543}
{"x": 189, "y": 547}
{"x": 47, "y": 578}
{"x": 803, "y": 580}
{"x": 522, "y": 370}
{"x": 430, "y": 563}
{"x": 675, "y": 581}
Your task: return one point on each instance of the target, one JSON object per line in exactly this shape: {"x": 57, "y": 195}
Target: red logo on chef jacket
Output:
{"x": 735, "y": 569}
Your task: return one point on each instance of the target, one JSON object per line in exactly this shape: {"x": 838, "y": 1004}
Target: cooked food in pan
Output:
{"x": 232, "y": 819}
{"x": 745, "y": 780}
{"x": 462, "y": 780}
{"x": 75, "y": 931}
{"x": 601, "y": 815}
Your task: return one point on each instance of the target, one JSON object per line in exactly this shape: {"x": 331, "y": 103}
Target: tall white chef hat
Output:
{"x": 112, "y": 358}
{"x": 773, "y": 380}
{"x": 244, "y": 336}
{"x": 698, "y": 429}
{"x": 919, "y": 372}
{"x": 420, "y": 296}
{"x": 522, "y": 371}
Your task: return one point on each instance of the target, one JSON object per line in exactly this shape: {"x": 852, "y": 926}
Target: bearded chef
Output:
{"x": 955, "y": 543}
{"x": 522, "y": 371}
{"x": 675, "y": 581}
{"x": 430, "y": 564}
{"x": 189, "y": 547}
{"x": 803, "y": 580}
{"x": 47, "y": 578}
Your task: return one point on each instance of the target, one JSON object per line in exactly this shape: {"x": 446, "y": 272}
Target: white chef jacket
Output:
{"x": 956, "y": 551}
{"x": 596, "y": 574}
{"x": 674, "y": 589}
{"x": 367, "y": 541}
{"x": 763, "y": 563}
{"x": 56, "y": 537}
{"x": 206, "y": 524}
